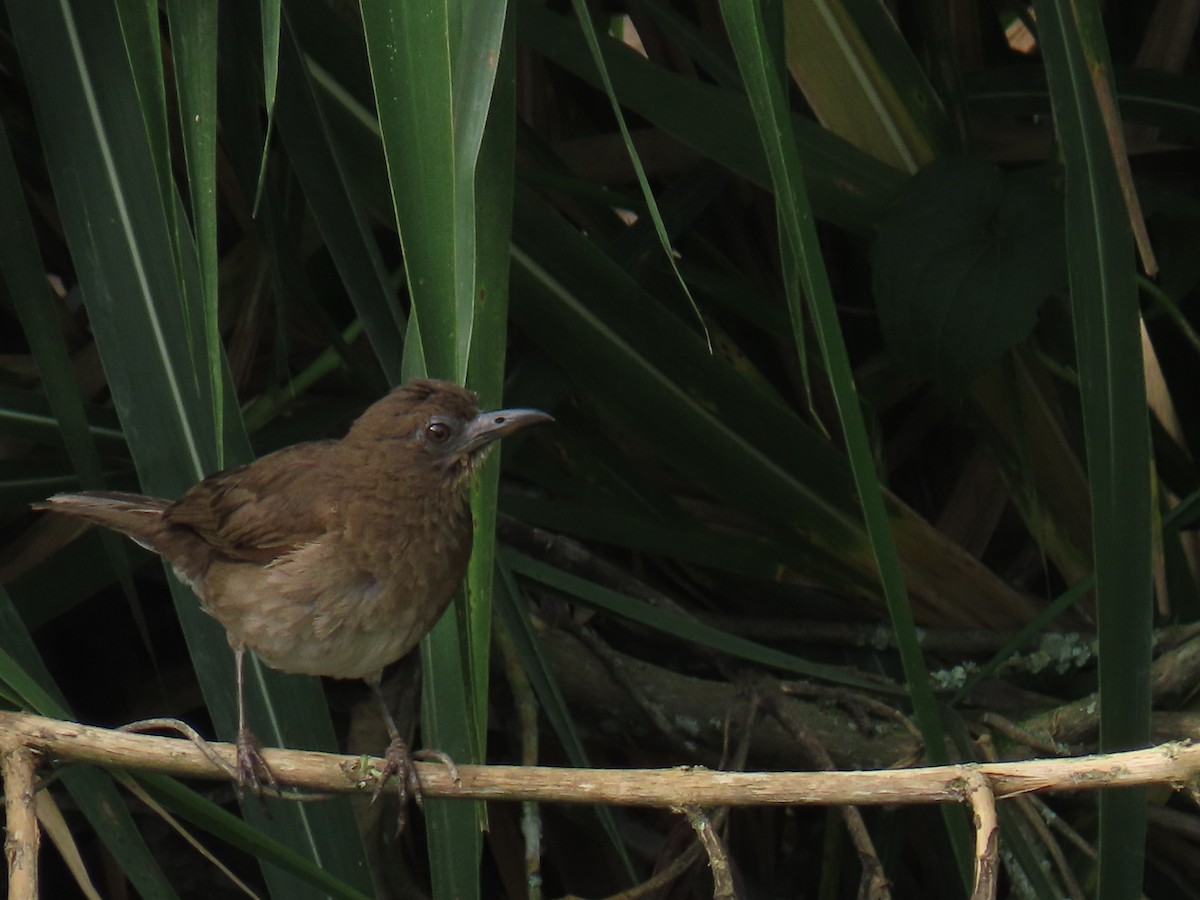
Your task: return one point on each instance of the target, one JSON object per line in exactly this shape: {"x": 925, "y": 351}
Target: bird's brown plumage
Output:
{"x": 334, "y": 557}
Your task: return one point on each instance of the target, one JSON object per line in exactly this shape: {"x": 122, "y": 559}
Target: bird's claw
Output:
{"x": 398, "y": 762}
{"x": 439, "y": 757}
{"x": 183, "y": 728}
{"x": 252, "y": 769}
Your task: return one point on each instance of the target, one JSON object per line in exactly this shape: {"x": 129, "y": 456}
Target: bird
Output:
{"x": 330, "y": 558}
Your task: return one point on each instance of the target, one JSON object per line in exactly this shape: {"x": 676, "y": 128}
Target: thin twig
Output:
{"x": 1021, "y": 735}
{"x": 654, "y": 712}
{"x": 852, "y": 699}
{"x": 664, "y": 877}
{"x": 1037, "y": 813}
{"x": 874, "y": 880}
{"x": 729, "y": 762}
{"x": 527, "y": 720}
{"x": 18, "y": 767}
{"x": 140, "y": 792}
{"x": 718, "y": 859}
{"x": 978, "y": 792}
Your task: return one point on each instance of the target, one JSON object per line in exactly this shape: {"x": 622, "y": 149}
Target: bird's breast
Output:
{"x": 353, "y": 600}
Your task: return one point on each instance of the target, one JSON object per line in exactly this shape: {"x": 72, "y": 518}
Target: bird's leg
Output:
{"x": 397, "y": 759}
{"x": 250, "y": 762}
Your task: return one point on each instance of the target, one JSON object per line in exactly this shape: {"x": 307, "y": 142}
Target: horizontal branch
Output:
{"x": 1173, "y": 763}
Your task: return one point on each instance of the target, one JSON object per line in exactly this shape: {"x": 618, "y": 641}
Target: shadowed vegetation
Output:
{"x": 868, "y": 336}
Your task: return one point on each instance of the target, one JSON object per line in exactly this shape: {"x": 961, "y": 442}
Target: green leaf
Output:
{"x": 1108, "y": 337}
{"x": 24, "y": 673}
{"x": 862, "y": 80}
{"x": 270, "y": 11}
{"x": 21, "y": 270}
{"x": 962, "y": 261}
{"x": 583, "y": 15}
{"x": 760, "y": 457}
{"x": 205, "y": 814}
{"x": 495, "y": 157}
{"x": 677, "y": 625}
{"x": 433, "y": 68}
{"x": 120, "y": 230}
{"x": 514, "y": 616}
{"x": 409, "y": 45}
{"x": 308, "y": 135}
{"x": 848, "y": 186}
{"x": 194, "y": 42}
{"x": 1147, "y": 96}
{"x": 801, "y": 253}
{"x": 142, "y": 37}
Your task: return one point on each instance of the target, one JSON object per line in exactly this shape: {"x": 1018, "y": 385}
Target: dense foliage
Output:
{"x": 868, "y": 333}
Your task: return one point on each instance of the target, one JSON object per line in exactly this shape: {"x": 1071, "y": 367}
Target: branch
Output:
{"x": 1173, "y": 763}
{"x": 978, "y": 792}
{"x": 18, "y": 765}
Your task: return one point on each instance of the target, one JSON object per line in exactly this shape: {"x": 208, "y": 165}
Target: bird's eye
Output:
{"x": 437, "y": 432}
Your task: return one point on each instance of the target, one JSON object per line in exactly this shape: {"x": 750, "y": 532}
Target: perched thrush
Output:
{"x": 328, "y": 558}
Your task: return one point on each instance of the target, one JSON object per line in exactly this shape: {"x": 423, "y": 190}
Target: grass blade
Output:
{"x": 1116, "y": 426}
{"x": 434, "y": 67}
{"x": 194, "y": 45}
{"x": 120, "y": 230}
{"x": 22, "y": 672}
{"x": 801, "y": 253}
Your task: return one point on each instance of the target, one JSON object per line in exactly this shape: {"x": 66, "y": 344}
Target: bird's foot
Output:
{"x": 439, "y": 757}
{"x": 187, "y": 731}
{"x": 252, "y": 769}
{"x": 249, "y": 772}
{"x": 398, "y": 762}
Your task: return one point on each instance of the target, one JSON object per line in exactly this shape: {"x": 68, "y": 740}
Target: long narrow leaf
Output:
{"x": 120, "y": 231}
{"x": 21, "y": 272}
{"x": 848, "y": 186}
{"x": 494, "y": 160}
{"x": 1116, "y": 425}
{"x": 433, "y": 68}
{"x": 308, "y": 135}
{"x": 194, "y": 41}
{"x": 409, "y": 45}
{"x": 514, "y": 615}
{"x": 660, "y": 229}
{"x": 802, "y": 255}
{"x": 680, "y": 626}
{"x": 22, "y": 669}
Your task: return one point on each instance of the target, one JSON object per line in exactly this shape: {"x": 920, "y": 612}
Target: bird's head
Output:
{"x": 437, "y": 425}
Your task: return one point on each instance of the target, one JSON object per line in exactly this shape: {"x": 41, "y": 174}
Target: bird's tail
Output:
{"x": 135, "y": 515}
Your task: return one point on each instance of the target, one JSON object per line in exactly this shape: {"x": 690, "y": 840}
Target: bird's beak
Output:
{"x": 488, "y": 427}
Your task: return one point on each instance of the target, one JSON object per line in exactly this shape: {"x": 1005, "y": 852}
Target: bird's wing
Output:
{"x": 261, "y": 511}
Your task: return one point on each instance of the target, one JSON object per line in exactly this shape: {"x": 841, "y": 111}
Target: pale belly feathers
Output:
{"x": 302, "y": 614}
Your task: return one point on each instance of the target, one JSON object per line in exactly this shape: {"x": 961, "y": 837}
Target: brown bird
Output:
{"x": 328, "y": 558}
